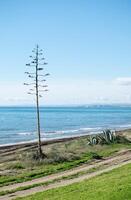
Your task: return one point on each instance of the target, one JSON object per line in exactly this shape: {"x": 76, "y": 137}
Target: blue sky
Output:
{"x": 87, "y": 44}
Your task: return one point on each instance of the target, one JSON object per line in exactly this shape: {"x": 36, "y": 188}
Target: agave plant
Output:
{"x": 107, "y": 137}
{"x": 93, "y": 140}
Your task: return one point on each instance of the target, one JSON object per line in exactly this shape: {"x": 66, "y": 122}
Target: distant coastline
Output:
{"x": 66, "y": 105}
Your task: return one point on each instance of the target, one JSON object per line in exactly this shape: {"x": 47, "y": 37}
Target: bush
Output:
{"x": 57, "y": 157}
{"x": 122, "y": 139}
{"x": 95, "y": 155}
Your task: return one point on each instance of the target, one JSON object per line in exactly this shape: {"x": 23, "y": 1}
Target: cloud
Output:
{"x": 123, "y": 81}
{"x": 70, "y": 92}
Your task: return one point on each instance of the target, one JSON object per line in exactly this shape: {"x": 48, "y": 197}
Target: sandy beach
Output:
{"x": 33, "y": 144}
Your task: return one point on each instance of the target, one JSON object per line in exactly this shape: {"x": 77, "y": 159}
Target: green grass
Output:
{"x": 22, "y": 174}
{"x": 114, "y": 185}
{"x": 78, "y": 174}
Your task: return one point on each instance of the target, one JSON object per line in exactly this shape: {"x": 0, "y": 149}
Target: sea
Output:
{"x": 18, "y": 124}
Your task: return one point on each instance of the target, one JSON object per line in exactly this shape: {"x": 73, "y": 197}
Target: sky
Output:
{"x": 87, "y": 44}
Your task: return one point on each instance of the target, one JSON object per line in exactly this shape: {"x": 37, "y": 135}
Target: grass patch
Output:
{"x": 115, "y": 184}
{"x": 60, "y": 157}
{"x": 52, "y": 181}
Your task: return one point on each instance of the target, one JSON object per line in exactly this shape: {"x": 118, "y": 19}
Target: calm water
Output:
{"x": 17, "y": 124}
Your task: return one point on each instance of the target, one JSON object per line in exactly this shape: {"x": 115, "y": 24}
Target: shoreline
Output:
{"x": 34, "y": 143}
{"x": 24, "y": 144}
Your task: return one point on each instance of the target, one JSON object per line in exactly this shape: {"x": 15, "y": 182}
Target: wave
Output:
{"x": 66, "y": 131}
{"x": 125, "y": 126}
{"x": 90, "y": 129}
{"x": 60, "y": 132}
{"x": 25, "y": 133}
{"x": 72, "y": 132}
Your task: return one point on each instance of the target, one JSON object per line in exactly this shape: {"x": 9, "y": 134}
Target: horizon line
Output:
{"x": 73, "y": 105}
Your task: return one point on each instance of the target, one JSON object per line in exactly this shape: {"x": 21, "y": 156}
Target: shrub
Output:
{"x": 122, "y": 139}
{"x": 95, "y": 155}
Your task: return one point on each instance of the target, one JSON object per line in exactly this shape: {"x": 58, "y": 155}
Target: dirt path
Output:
{"x": 125, "y": 154}
{"x": 61, "y": 183}
{"x": 122, "y": 158}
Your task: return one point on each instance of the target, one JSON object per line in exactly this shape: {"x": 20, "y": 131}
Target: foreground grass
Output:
{"x": 114, "y": 185}
{"x": 68, "y": 177}
{"x": 26, "y": 173}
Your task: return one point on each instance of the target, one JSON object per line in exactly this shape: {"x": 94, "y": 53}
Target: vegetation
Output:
{"x": 62, "y": 156}
{"x": 117, "y": 187}
{"x": 38, "y": 87}
{"x": 107, "y": 137}
{"x": 78, "y": 174}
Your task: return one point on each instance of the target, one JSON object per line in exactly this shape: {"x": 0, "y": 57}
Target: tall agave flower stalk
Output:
{"x": 37, "y": 86}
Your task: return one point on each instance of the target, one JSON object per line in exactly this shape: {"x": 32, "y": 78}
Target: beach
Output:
{"x": 33, "y": 145}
